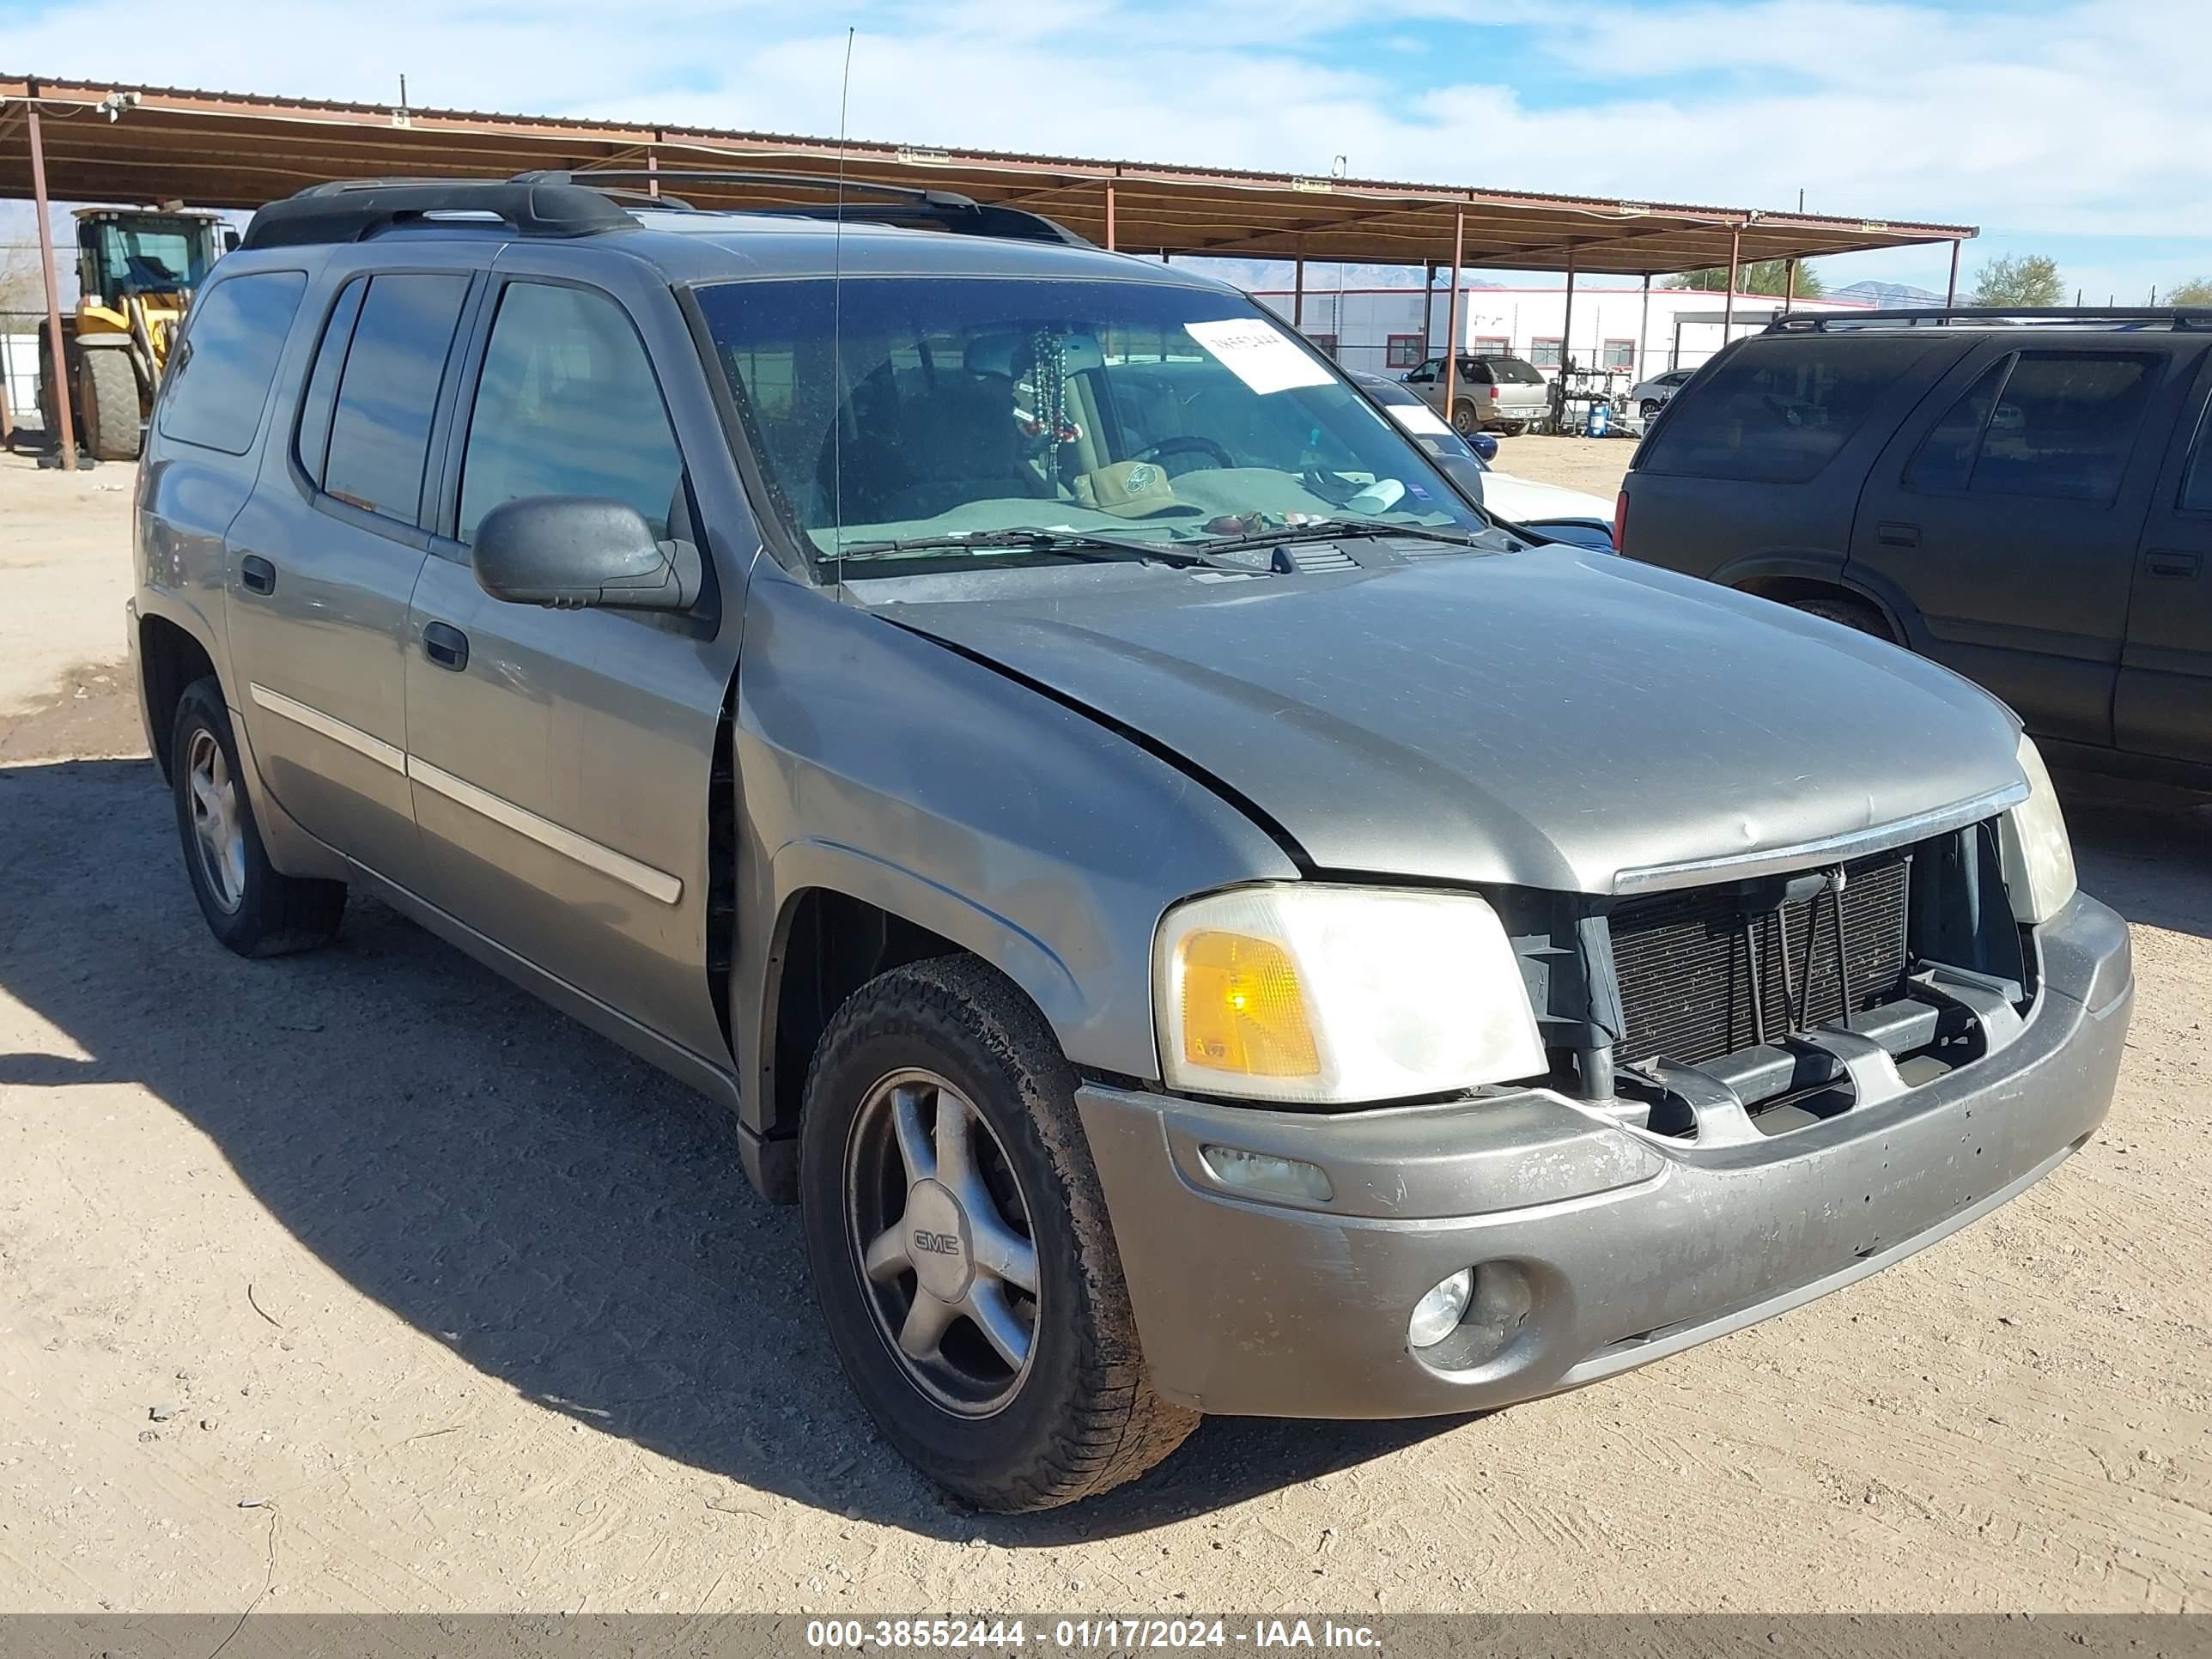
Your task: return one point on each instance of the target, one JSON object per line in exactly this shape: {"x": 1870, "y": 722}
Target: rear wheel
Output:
{"x": 107, "y": 404}
{"x": 1465, "y": 421}
{"x": 960, "y": 1249}
{"x": 1515, "y": 428}
{"x": 251, "y": 907}
{"x": 1851, "y": 613}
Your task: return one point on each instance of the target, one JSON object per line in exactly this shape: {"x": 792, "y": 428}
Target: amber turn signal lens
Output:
{"x": 1243, "y": 1009}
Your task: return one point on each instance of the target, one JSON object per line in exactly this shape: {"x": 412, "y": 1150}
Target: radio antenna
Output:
{"x": 838, "y": 328}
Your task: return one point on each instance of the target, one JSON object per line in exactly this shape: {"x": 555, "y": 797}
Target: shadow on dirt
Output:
{"x": 556, "y": 1212}
{"x": 2147, "y": 854}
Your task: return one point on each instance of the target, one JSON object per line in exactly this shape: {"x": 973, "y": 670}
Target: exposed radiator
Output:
{"x": 1708, "y": 971}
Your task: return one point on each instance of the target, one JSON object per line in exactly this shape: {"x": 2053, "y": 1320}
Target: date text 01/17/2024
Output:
{"x": 1087, "y": 1635}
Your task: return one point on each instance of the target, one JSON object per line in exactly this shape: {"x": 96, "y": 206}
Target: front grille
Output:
{"x": 1710, "y": 971}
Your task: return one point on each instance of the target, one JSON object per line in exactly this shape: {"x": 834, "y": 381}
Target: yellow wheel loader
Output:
{"x": 137, "y": 272}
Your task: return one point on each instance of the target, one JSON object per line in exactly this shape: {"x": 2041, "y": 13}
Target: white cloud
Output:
{"x": 2084, "y": 118}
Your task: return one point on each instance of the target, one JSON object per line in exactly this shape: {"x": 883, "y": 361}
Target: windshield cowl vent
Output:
{"x": 1309, "y": 559}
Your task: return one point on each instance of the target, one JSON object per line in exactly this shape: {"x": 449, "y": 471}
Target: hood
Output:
{"x": 1549, "y": 718}
{"x": 1524, "y": 501}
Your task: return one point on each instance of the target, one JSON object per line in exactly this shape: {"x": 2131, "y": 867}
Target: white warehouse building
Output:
{"x": 1630, "y": 333}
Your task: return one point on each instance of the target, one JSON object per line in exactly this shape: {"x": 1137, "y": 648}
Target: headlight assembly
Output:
{"x": 1316, "y": 994}
{"x": 2038, "y": 860}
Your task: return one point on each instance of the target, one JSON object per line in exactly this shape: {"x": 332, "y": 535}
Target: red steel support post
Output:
{"x": 61, "y": 387}
{"x": 1451, "y": 314}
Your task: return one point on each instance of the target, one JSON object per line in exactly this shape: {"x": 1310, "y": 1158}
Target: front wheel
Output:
{"x": 960, "y": 1249}
{"x": 1648, "y": 408}
{"x": 252, "y": 908}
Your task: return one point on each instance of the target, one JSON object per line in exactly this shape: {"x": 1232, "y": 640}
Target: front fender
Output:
{"x": 879, "y": 764}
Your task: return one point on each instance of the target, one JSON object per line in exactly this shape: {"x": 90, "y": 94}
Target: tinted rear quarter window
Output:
{"x": 380, "y": 425}
{"x": 238, "y": 329}
{"x": 1776, "y": 411}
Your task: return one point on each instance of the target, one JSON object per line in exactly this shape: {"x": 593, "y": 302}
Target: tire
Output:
{"x": 107, "y": 404}
{"x": 250, "y": 906}
{"x": 49, "y": 388}
{"x": 1515, "y": 428}
{"x": 1465, "y": 421}
{"x": 1851, "y": 613}
{"x": 1648, "y": 408}
{"x": 1075, "y": 1415}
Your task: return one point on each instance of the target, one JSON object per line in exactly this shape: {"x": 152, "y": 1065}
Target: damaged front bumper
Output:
{"x": 1597, "y": 1246}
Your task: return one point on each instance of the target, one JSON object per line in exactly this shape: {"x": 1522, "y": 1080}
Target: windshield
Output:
{"x": 147, "y": 255}
{"x": 932, "y": 409}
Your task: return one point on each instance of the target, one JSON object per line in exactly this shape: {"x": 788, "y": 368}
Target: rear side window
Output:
{"x": 1511, "y": 371}
{"x": 214, "y": 397}
{"x": 380, "y": 423}
{"x": 1945, "y": 460}
{"x": 313, "y": 442}
{"x": 2055, "y": 425}
{"x": 568, "y": 406}
{"x": 1776, "y": 411}
{"x": 2064, "y": 425}
{"x": 2196, "y": 483}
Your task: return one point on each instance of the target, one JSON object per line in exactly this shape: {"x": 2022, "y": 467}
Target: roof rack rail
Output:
{"x": 912, "y": 206}
{"x": 351, "y": 210}
{"x": 2173, "y": 317}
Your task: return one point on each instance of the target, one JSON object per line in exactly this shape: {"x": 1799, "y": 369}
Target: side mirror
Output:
{"x": 229, "y": 240}
{"x": 569, "y": 551}
{"x": 1484, "y": 444}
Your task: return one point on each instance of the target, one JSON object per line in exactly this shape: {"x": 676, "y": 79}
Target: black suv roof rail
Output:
{"x": 354, "y": 209}
{"x": 578, "y": 204}
{"x": 911, "y": 205}
{"x": 2176, "y": 316}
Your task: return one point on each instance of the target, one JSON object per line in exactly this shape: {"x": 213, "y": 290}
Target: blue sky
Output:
{"x": 2073, "y": 127}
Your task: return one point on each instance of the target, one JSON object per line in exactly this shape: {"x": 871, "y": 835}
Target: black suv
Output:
{"x": 2026, "y": 496}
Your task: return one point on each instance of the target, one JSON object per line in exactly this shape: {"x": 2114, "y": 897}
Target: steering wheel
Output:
{"x": 1185, "y": 443}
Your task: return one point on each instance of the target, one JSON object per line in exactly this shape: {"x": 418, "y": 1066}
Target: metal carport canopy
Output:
{"x": 239, "y": 150}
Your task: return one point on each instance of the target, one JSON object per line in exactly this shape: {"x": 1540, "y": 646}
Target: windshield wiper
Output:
{"x": 1334, "y": 530}
{"x": 1076, "y": 544}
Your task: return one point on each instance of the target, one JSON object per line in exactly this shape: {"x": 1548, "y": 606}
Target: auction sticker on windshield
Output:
{"x": 1258, "y": 354}
{"x": 1418, "y": 417}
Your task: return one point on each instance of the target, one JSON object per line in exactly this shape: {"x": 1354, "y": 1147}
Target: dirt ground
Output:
{"x": 1592, "y": 463}
{"x": 361, "y": 1281}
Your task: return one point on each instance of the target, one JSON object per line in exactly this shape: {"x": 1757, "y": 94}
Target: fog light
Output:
{"x": 1266, "y": 1175}
{"x": 1437, "y": 1314}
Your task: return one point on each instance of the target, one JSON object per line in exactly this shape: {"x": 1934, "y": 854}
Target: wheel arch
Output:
{"x": 846, "y": 916}
{"x": 1788, "y": 578}
{"x": 170, "y": 657}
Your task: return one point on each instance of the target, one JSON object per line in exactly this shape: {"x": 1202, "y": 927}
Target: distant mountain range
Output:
{"x": 1884, "y": 294}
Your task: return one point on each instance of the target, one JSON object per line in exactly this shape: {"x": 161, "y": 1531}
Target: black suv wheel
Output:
{"x": 960, "y": 1249}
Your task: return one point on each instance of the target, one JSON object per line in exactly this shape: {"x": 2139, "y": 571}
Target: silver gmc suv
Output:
{"x": 1199, "y": 917}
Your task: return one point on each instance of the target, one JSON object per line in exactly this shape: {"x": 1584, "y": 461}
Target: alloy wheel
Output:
{"x": 218, "y": 821}
{"x": 940, "y": 1230}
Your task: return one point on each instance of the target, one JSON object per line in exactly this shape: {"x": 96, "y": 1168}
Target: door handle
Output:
{"x": 446, "y": 646}
{"x": 2161, "y": 562}
{"x": 256, "y": 574}
{"x": 1890, "y": 534}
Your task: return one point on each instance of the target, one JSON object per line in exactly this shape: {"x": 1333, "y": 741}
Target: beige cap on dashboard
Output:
{"x": 1132, "y": 489}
